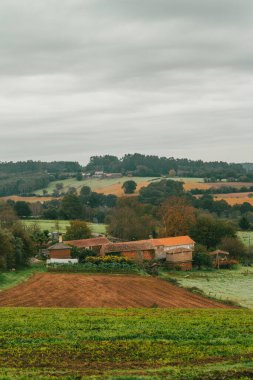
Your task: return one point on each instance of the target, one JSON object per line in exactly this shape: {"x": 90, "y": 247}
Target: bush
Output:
{"x": 94, "y": 268}
{"x": 108, "y": 259}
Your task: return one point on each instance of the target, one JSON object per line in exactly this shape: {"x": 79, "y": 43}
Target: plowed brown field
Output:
{"x": 80, "y": 290}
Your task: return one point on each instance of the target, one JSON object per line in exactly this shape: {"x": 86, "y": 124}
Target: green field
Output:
{"x": 60, "y": 225}
{"x": 12, "y": 278}
{"x": 93, "y": 183}
{"x": 232, "y": 285}
{"x": 126, "y": 344}
{"x": 246, "y": 237}
{"x": 96, "y": 183}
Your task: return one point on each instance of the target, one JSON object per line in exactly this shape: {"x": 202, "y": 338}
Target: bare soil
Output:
{"x": 81, "y": 290}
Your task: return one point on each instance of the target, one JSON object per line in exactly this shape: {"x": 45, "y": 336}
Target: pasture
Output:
{"x": 117, "y": 344}
{"x": 113, "y": 185}
{"x": 61, "y": 225}
{"x": 226, "y": 285}
{"x": 246, "y": 237}
{"x": 106, "y": 186}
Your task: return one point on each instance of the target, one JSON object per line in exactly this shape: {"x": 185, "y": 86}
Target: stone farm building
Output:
{"x": 60, "y": 253}
{"x": 177, "y": 251}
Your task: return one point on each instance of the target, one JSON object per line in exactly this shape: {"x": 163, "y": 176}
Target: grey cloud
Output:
{"x": 85, "y": 77}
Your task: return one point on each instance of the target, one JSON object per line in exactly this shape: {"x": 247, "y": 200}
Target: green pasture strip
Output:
{"x": 225, "y": 285}
{"x": 93, "y": 183}
{"x": 12, "y": 278}
{"x": 135, "y": 343}
{"x": 61, "y": 225}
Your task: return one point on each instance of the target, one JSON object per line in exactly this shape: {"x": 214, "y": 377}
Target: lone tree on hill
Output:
{"x": 129, "y": 187}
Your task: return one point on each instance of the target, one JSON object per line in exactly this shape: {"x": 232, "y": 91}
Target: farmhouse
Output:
{"x": 93, "y": 243}
{"x": 177, "y": 251}
{"x": 134, "y": 250}
{"x": 60, "y": 254}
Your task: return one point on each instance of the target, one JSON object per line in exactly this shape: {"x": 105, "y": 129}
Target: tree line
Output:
{"x": 150, "y": 165}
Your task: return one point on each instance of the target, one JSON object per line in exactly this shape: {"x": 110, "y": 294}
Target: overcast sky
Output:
{"x": 87, "y": 77}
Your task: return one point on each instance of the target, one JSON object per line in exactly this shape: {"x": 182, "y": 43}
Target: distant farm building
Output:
{"x": 60, "y": 253}
{"x": 177, "y": 251}
{"x": 134, "y": 250}
{"x": 95, "y": 244}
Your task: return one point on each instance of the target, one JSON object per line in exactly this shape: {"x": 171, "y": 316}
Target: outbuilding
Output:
{"x": 60, "y": 253}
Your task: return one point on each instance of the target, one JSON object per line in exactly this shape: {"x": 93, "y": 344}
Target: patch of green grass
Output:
{"x": 226, "y": 285}
{"x": 246, "y": 237}
{"x": 61, "y": 225}
{"x": 189, "y": 344}
{"x": 12, "y": 278}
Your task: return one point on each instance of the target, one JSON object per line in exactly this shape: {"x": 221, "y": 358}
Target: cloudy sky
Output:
{"x": 86, "y": 77}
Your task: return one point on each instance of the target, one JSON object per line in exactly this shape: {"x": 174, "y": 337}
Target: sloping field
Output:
{"x": 190, "y": 185}
{"x": 234, "y": 198}
{"x": 17, "y": 198}
{"x": 78, "y": 290}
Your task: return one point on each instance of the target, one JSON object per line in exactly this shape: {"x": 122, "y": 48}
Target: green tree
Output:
{"x": 131, "y": 221}
{"x": 129, "y": 187}
{"x": 7, "y": 247}
{"x": 77, "y": 229}
{"x": 22, "y": 209}
{"x": 234, "y": 246}
{"x": 71, "y": 206}
{"x": 209, "y": 231}
{"x": 244, "y": 224}
{"x": 157, "y": 192}
{"x": 200, "y": 257}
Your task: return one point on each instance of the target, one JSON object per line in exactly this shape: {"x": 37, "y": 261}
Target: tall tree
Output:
{"x": 177, "y": 217}
{"x": 77, "y": 229}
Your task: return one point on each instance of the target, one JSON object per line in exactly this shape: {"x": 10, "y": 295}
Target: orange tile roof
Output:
{"x": 92, "y": 242}
{"x": 173, "y": 241}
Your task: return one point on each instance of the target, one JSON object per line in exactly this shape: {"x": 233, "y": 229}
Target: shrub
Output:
{"x": 94, "y": 268}
{"x": 108, "y": 259}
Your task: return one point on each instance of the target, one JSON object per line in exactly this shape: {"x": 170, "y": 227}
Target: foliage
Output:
{"x": 108, "y": 259}
{"x": 244, "y": 224}
{"x": 82, "y": 253}
{"x": 71, "y": 206}
{"x": 234, "y": 246}
{"x": 209, "y": 231}
{"x": 157, "y": 192}
{"x": 131, "y": 220}
{"x": 200, "y": 257}
{"x": 129, "y": 186}
{"x": 22, "y": 209}
{"x": 185, "y": 344}
{"x": 177, "y": 217}
{"x": 77, "y": 229}
{"x": 89, "y": 267}
{"x": 150, "y": 165}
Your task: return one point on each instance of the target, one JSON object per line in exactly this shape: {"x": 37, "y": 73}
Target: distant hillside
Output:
{"x": 25, "y": 177}
{"x": 21, "y": 178}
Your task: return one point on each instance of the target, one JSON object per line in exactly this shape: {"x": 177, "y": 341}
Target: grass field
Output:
{"x": 96, "y": 184}
{"x": 110, "y": 186}
{"x": 233, "y": 285}
{"x": 12, "y": 278}
{"x": 246, "y": 237}
{"x": 60, "y": 225}
{"x": 126, "y": 344}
